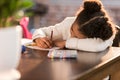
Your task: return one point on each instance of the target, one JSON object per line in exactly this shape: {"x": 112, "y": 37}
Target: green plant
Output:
{"x": 9, "y": 9}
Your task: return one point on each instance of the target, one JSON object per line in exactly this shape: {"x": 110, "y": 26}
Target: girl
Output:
{"x": 91, "y": 30}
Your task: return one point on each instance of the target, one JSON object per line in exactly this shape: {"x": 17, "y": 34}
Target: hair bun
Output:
{"x": 92, "y": 6}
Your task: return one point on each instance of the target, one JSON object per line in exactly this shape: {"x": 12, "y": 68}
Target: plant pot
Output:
{"x": 10, "y": 48}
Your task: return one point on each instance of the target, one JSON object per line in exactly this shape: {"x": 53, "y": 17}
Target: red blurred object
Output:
{"x": 24, "y": 24}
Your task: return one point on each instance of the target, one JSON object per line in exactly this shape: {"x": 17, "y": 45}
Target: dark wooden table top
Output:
{"x": 36, "y": 66}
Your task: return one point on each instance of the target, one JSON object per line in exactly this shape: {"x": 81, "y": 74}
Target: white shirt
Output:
{"x": 61, "y": 31}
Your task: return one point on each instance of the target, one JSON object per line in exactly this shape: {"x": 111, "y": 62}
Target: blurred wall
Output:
{"x": 59, "y": 9}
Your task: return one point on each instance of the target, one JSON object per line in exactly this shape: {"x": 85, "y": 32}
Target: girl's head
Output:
{"x": 92, "y": 22}
{"x": 90, "y": 9}
{"x": 97, "y": 27}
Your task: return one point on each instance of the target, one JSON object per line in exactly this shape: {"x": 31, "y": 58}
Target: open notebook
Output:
{"x": 31, "y": 46}
{"x": 43, "y": 49}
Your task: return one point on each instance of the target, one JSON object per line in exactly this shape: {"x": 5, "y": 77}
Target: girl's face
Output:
{"x": 75, "y": 32}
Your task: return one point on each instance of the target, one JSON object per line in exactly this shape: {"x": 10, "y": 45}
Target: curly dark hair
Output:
{"x": 93, "y": 20}
{"x": 90, "y": 9}
{"x": 97, "y": 27}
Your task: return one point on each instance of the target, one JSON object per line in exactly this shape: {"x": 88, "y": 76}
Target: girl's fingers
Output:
{"x": 41, "y": 43}
{"x": 44, "y": 42}
{"x": 47, "y": 42}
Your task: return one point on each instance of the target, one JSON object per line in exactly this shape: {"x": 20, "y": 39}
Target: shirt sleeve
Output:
{"x": 46, "y": 31}
{"x": 89, "y": 44}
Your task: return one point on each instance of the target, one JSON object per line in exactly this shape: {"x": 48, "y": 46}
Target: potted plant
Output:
{"x": 10, "y": 36}
{"x": 10, "y": 11}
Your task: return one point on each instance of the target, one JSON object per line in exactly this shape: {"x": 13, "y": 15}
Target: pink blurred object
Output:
{"x": 24, "y": 24}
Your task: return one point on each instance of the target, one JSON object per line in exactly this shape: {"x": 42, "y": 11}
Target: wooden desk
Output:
{"x": 88, "y": 66}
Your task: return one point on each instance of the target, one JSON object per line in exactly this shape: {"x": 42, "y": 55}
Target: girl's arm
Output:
{"x": 89, "y": 44}
{"x": 46, "y": 31}
{"x": 43, "y": 37}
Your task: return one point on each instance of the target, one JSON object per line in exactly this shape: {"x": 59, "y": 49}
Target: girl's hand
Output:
{"x": 60, "y": 44}
{"x": 43, "y": 42}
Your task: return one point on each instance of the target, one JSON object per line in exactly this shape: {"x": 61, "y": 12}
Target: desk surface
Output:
{"x": 36, "y": 66}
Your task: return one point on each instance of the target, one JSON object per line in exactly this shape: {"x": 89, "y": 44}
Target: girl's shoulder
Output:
{"x": 70, "y": 18}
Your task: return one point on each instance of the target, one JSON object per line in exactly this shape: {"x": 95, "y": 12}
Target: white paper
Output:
{"x": 38, "y": 48}
{"x": 26, "y": 41}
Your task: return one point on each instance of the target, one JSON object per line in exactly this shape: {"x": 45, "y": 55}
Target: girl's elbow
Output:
{"x": 100, "y": 48}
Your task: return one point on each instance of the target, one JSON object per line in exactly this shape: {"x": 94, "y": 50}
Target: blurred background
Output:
{"x": 50, "y": 12}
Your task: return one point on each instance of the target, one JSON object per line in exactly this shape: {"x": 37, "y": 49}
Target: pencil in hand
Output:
{"x": 34, "y": 44}
{"x": 51, "y": 38}
{"x": 51, "y": 35}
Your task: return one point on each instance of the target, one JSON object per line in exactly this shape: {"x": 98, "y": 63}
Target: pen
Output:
{"x": 51, "y": 35}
